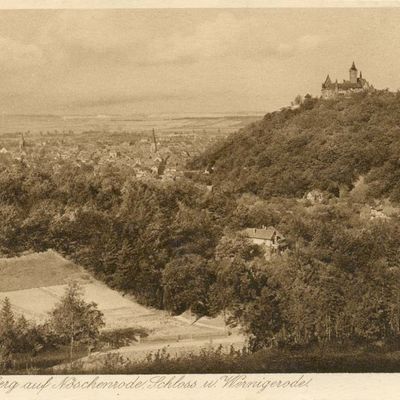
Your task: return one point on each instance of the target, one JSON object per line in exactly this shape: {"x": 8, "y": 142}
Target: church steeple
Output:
{"x": 22, "y": 142}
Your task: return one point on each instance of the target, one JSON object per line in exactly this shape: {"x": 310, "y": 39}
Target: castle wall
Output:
{"x": 328, "y": 93}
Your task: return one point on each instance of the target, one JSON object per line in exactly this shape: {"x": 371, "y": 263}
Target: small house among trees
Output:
{"x": 272, "y": 241}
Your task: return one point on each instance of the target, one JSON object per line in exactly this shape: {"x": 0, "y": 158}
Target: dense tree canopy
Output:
{"x": 326, "y": 145}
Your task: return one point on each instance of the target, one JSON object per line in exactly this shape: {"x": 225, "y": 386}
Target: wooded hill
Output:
{"x": 322, "y": 144}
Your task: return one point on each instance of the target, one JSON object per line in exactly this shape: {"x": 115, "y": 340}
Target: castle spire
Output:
{"x": 353, "y": 67}
{"x": 327, "y": 80}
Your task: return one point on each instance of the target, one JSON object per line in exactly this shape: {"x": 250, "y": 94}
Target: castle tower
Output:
{"x": 353, "y": 73}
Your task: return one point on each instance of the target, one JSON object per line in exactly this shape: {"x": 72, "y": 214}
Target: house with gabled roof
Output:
{"x": 270, "y": 239}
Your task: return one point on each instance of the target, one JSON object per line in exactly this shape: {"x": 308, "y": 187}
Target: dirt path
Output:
{"x": 177, "y": 347}
{"x": 193, "y": 338}
{"x": 140, "y": 351}
{"x": 200, "y": 324}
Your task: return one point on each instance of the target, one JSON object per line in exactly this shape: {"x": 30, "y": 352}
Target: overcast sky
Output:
{"x": 116, "y": 61}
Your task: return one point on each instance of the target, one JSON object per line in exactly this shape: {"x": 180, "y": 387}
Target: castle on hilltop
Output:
{"x": 354, "y": 84}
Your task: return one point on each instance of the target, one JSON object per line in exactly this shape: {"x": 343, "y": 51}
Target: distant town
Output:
{"x": 152, "y": 153}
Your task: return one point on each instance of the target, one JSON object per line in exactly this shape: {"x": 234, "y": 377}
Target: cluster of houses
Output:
{"x": 162, "y": 157}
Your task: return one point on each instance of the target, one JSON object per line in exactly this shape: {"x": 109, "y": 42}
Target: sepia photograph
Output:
{"x": 199, "y": 191}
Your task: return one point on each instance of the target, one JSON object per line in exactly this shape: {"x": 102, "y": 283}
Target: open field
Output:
{"x": 118, "y": 123}
{"x": 37, "y": 270}
{"x": 36, "y": 282}
{"x": 119, "y": 311}
{"x": 35, "y": 303}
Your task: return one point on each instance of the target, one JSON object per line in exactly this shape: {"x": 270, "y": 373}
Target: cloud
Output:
{"x": 308, "y": 42}
{"x": 109, "y": 59}
{"x": 226, "y": 36}
{"x": 15, "y": 55}
{"x": 107, "y": 39}
{"x": 93, "y": 31}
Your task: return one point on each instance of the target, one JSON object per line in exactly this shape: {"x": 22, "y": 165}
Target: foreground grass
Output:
{"x": 264, "y": 361}
{"x": 28, "y": 364}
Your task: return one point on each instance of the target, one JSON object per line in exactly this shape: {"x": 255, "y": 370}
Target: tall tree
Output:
{"x": 7, "y": 327}
{"x": 186, "y": 282}
{"x": 74, "y": 320}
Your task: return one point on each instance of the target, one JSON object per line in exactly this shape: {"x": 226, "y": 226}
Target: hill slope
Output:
{"x": 324, "y": 144}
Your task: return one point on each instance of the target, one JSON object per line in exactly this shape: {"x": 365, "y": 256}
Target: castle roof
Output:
{"x": 353, "y": 67}
{"x": 346, "y": 85}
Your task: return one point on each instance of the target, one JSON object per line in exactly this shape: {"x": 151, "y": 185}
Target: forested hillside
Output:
{"x": 323, "y": 144}
{"x": 179, "y": 246}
